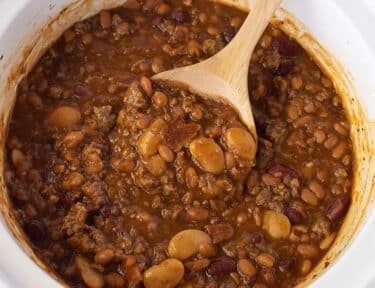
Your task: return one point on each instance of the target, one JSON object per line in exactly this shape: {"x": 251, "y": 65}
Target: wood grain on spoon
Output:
{"x": 224, "y": 76}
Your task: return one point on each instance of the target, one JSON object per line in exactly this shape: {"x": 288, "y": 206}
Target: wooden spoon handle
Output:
{"x": 225, "y": 75}
{"x": 234, "y": 59}
{"x": 232, "y": 63}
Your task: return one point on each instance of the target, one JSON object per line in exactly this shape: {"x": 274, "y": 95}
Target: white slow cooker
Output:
{"x": 342, "y": 27}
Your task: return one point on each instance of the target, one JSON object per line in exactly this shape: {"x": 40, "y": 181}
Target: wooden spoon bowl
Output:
{"x": 224, "y": 76}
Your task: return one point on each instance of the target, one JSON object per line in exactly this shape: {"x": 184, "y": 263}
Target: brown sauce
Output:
{"x": 105, "y": 168}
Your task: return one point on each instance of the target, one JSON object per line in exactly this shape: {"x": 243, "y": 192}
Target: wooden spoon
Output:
{"x": 224, "y": 76}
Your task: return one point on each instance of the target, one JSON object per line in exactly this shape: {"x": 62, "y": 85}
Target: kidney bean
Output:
{"x": 156, "y": 21}
{"x": 181, "y": 16}
{"x": 295, "y": 217}
{"x": 285, "y": 68}
{"x": 109, "y": 210}
{"x": 287, "y": 265}
{"x": 337, "y": 208}
{"x": 283, "y": 170}
{"x": 35, "y": 230}
{"x": 229, "y": 34}
{"x": 256, "y": 237}
{"x": 82, "y": 90}
{"x": 286, "y": 47}
{"x": 223, "y": 265}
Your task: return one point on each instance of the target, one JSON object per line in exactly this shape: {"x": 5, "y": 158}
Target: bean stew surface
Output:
{"x": 119, "y": 182}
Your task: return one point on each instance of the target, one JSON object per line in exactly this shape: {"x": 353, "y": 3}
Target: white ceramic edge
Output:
{"x": 356, "y": 267}
{"x": 16, "y": 268}
{"x": 355, "y": 21}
